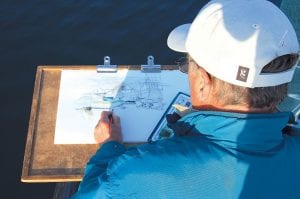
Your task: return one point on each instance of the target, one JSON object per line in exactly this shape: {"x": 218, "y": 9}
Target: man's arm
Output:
{"x": 108, "y": 133}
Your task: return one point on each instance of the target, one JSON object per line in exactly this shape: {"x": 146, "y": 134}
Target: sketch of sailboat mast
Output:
{"x": 151, "y": 94}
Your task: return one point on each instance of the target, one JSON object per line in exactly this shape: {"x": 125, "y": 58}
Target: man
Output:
{"x": 242, "y": 54}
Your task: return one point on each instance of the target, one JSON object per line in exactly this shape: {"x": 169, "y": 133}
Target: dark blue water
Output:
{"x": 69, "y": 32}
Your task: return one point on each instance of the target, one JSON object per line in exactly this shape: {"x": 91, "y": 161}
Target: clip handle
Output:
{"x": 150, "y": 66}
{"x": 106, "y": 67}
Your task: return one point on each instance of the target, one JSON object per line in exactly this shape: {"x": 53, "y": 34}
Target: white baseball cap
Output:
{"x": 234, "y": 39}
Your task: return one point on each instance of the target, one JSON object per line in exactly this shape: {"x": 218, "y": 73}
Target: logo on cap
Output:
{"x": 242, "y": 74}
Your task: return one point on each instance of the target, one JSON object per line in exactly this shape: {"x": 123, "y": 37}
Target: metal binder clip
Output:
{"x": 151, "y": 67}
{"x": 106, "y": 67}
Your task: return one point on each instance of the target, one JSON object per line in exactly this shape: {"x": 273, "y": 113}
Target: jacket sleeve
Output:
{"x": 95, "y": 183}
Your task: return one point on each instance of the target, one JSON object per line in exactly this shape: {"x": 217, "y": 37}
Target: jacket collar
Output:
{"x": 259, "y": 132}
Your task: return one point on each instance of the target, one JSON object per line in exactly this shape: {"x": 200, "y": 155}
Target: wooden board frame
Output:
{"x": 43, "y": 160}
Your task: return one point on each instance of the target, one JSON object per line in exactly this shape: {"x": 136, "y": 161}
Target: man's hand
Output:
{"x": 108, "y": 128}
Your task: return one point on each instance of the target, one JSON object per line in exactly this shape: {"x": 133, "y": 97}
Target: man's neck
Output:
{"x": 236, "y": 109}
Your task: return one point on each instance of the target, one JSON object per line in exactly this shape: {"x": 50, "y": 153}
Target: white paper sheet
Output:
{"x": 139, "y": 99}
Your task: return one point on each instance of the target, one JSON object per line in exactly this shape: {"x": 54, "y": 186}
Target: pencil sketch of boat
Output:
{"x": 146, "y": 94}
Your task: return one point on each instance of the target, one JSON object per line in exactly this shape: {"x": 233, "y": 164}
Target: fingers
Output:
{"x": 105, "y": 115}
{"x": 110, "y": 117}
{"x": 104, "y": 118}
{"x": 116, "y": 120}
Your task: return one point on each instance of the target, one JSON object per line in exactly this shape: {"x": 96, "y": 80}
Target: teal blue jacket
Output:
{"x": 218, "y": 155}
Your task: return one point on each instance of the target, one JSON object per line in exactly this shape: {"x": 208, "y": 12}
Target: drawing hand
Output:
{"x": 108, "y": 128}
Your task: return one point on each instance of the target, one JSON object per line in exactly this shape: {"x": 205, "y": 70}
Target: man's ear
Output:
{"x": 205, "y": 84}
{"x": 200, "y": 85}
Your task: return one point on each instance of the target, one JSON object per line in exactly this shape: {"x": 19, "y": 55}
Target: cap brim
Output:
{"x": 177, "y": 38}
